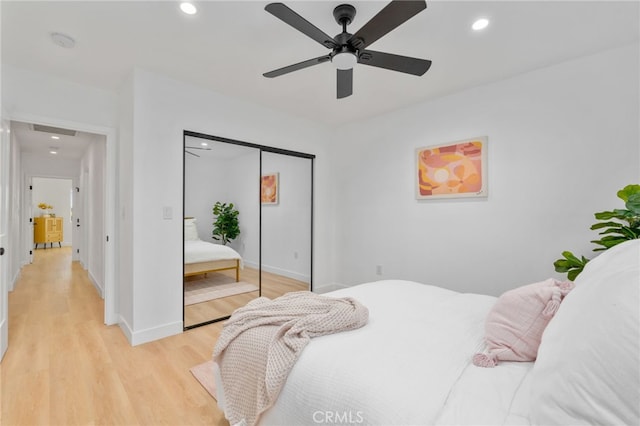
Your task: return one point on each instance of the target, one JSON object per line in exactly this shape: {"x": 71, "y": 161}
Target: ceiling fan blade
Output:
{"x": 290, "y": 17}
{"x": 392, "y": 62}
{"x": 298, "y": 66}
{"x": 345, "y": 83}
{"x": 393, "y": 15}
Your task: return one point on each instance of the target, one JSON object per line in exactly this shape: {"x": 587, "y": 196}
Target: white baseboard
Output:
{"x": 150, "y": 334}
{"x": 126, "y": 329}
{"x": 4, "y": 339}
{"x": 325, "y": 288}
{"x": 12, "y": 283}
{"x": 96, "y": 285}
{"x": 279, "y": 271}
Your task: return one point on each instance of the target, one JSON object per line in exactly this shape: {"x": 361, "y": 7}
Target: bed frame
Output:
{"x": 191, "y": 269}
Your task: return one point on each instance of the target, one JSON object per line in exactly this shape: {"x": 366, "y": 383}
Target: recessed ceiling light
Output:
{"x": 53, "y": 152}
{"x": 188, "y": 8}
{"x": 63, "y": 40}
{"x": 204, "y": 144}
{"x": 55, "y": 137}
{"x": 480, "y": 24}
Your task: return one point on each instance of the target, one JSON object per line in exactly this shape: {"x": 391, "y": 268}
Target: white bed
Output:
{"x": 411, "y": 364}
{"x": 201, "y": 257}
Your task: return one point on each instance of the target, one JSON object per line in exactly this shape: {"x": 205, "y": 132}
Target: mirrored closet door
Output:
{"x": 286, "y": 200}
{"x": 247, "y": 225}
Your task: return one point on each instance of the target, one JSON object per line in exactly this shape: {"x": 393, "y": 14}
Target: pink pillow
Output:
{"x": 515, "y": 324}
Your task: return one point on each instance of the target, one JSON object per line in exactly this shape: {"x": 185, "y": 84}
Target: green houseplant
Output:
{"x": 616, "y": 226}
{"x": 226, "y": 226}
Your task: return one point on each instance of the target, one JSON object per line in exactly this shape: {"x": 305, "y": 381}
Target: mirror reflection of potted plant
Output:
{"x": 226, "y": 226}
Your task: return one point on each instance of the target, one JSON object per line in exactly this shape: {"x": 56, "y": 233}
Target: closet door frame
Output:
{"x": 261, "y": 149}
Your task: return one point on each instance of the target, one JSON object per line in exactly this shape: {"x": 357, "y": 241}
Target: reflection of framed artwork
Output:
{"x": 269, "y": 189}
{"x": 452, "y": 170}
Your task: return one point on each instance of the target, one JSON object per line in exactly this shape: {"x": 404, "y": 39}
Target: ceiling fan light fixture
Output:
{"x": 344, "y": 60}
{"x": 480, "y": 24}
{"x": 188, "y": 8}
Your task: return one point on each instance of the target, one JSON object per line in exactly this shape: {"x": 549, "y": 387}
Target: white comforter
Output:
{"x": 411, "y": 365}
{"x": 202, "y": 251}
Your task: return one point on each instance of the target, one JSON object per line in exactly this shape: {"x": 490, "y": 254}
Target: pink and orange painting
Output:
{"x": 269, "y": 189}
{"x": 457, "y": 169}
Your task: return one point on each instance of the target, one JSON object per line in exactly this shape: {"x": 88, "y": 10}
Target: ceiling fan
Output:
{"x": 349, "y": 49}
{"x": 187, "y": 148}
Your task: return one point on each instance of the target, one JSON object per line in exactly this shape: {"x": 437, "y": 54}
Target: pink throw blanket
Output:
{"x": 261, "y": 341}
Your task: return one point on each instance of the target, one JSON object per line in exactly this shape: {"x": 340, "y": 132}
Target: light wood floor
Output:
{"x": 65, "y": 367}
{"x": 273, "y": 285}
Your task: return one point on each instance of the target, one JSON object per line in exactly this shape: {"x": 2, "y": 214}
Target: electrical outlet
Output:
{"x": 378, "y": 269}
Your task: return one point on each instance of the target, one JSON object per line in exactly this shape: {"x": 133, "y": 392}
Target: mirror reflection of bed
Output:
{"x": 272, "y": 254}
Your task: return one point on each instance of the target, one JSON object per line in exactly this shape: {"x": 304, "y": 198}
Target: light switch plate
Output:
{"x": 167, "y": 213}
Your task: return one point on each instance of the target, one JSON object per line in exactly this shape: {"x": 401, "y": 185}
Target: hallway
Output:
{"x": 65, "y": 367}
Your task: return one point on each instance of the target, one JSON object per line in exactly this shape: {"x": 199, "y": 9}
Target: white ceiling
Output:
{"x": 229, "y": 44}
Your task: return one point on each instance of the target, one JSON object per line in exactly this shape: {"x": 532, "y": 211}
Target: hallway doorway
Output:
{"x": 57, "y": 195}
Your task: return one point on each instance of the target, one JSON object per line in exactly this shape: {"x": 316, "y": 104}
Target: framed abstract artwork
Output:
{"x": 269, "y": 189}
{"x": 452, "y": 170}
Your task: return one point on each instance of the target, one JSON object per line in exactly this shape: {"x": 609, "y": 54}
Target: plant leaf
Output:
{"x": 571, "y": 275}
{"x": 633, "y": 203}
{"x": 561, "y": 265}
{"x": 608, "y": 242}
{"x": 614, "y": 214}
{"x": 625, "y": 193}
{"x": 600, "y": 225}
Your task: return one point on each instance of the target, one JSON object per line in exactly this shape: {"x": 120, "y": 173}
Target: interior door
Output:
{"x": 4, "y": 228}
{"x": 30, "y": 228}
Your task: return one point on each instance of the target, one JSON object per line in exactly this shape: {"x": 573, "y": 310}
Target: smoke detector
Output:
{"x": 63, "y": 40}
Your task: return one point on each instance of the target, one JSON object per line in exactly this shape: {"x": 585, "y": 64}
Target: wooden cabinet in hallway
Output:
{"x": 47, "y": 230}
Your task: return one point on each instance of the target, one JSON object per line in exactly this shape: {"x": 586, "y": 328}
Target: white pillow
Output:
{"x": 190, "y": 230}
{"x": 587, "y": 369}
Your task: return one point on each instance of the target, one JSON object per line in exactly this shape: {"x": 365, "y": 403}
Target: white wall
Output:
{"x": 57, "y": 193}
{"x": 31, "y": 94}
{"x": 17, "y": 242}
{"x": 244, "y": 174}
{"x": 562, "y": 141}
{"x": 163, "y": 108}
{"x": 205, "y": 183}
{"x": 124, "y": 207}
